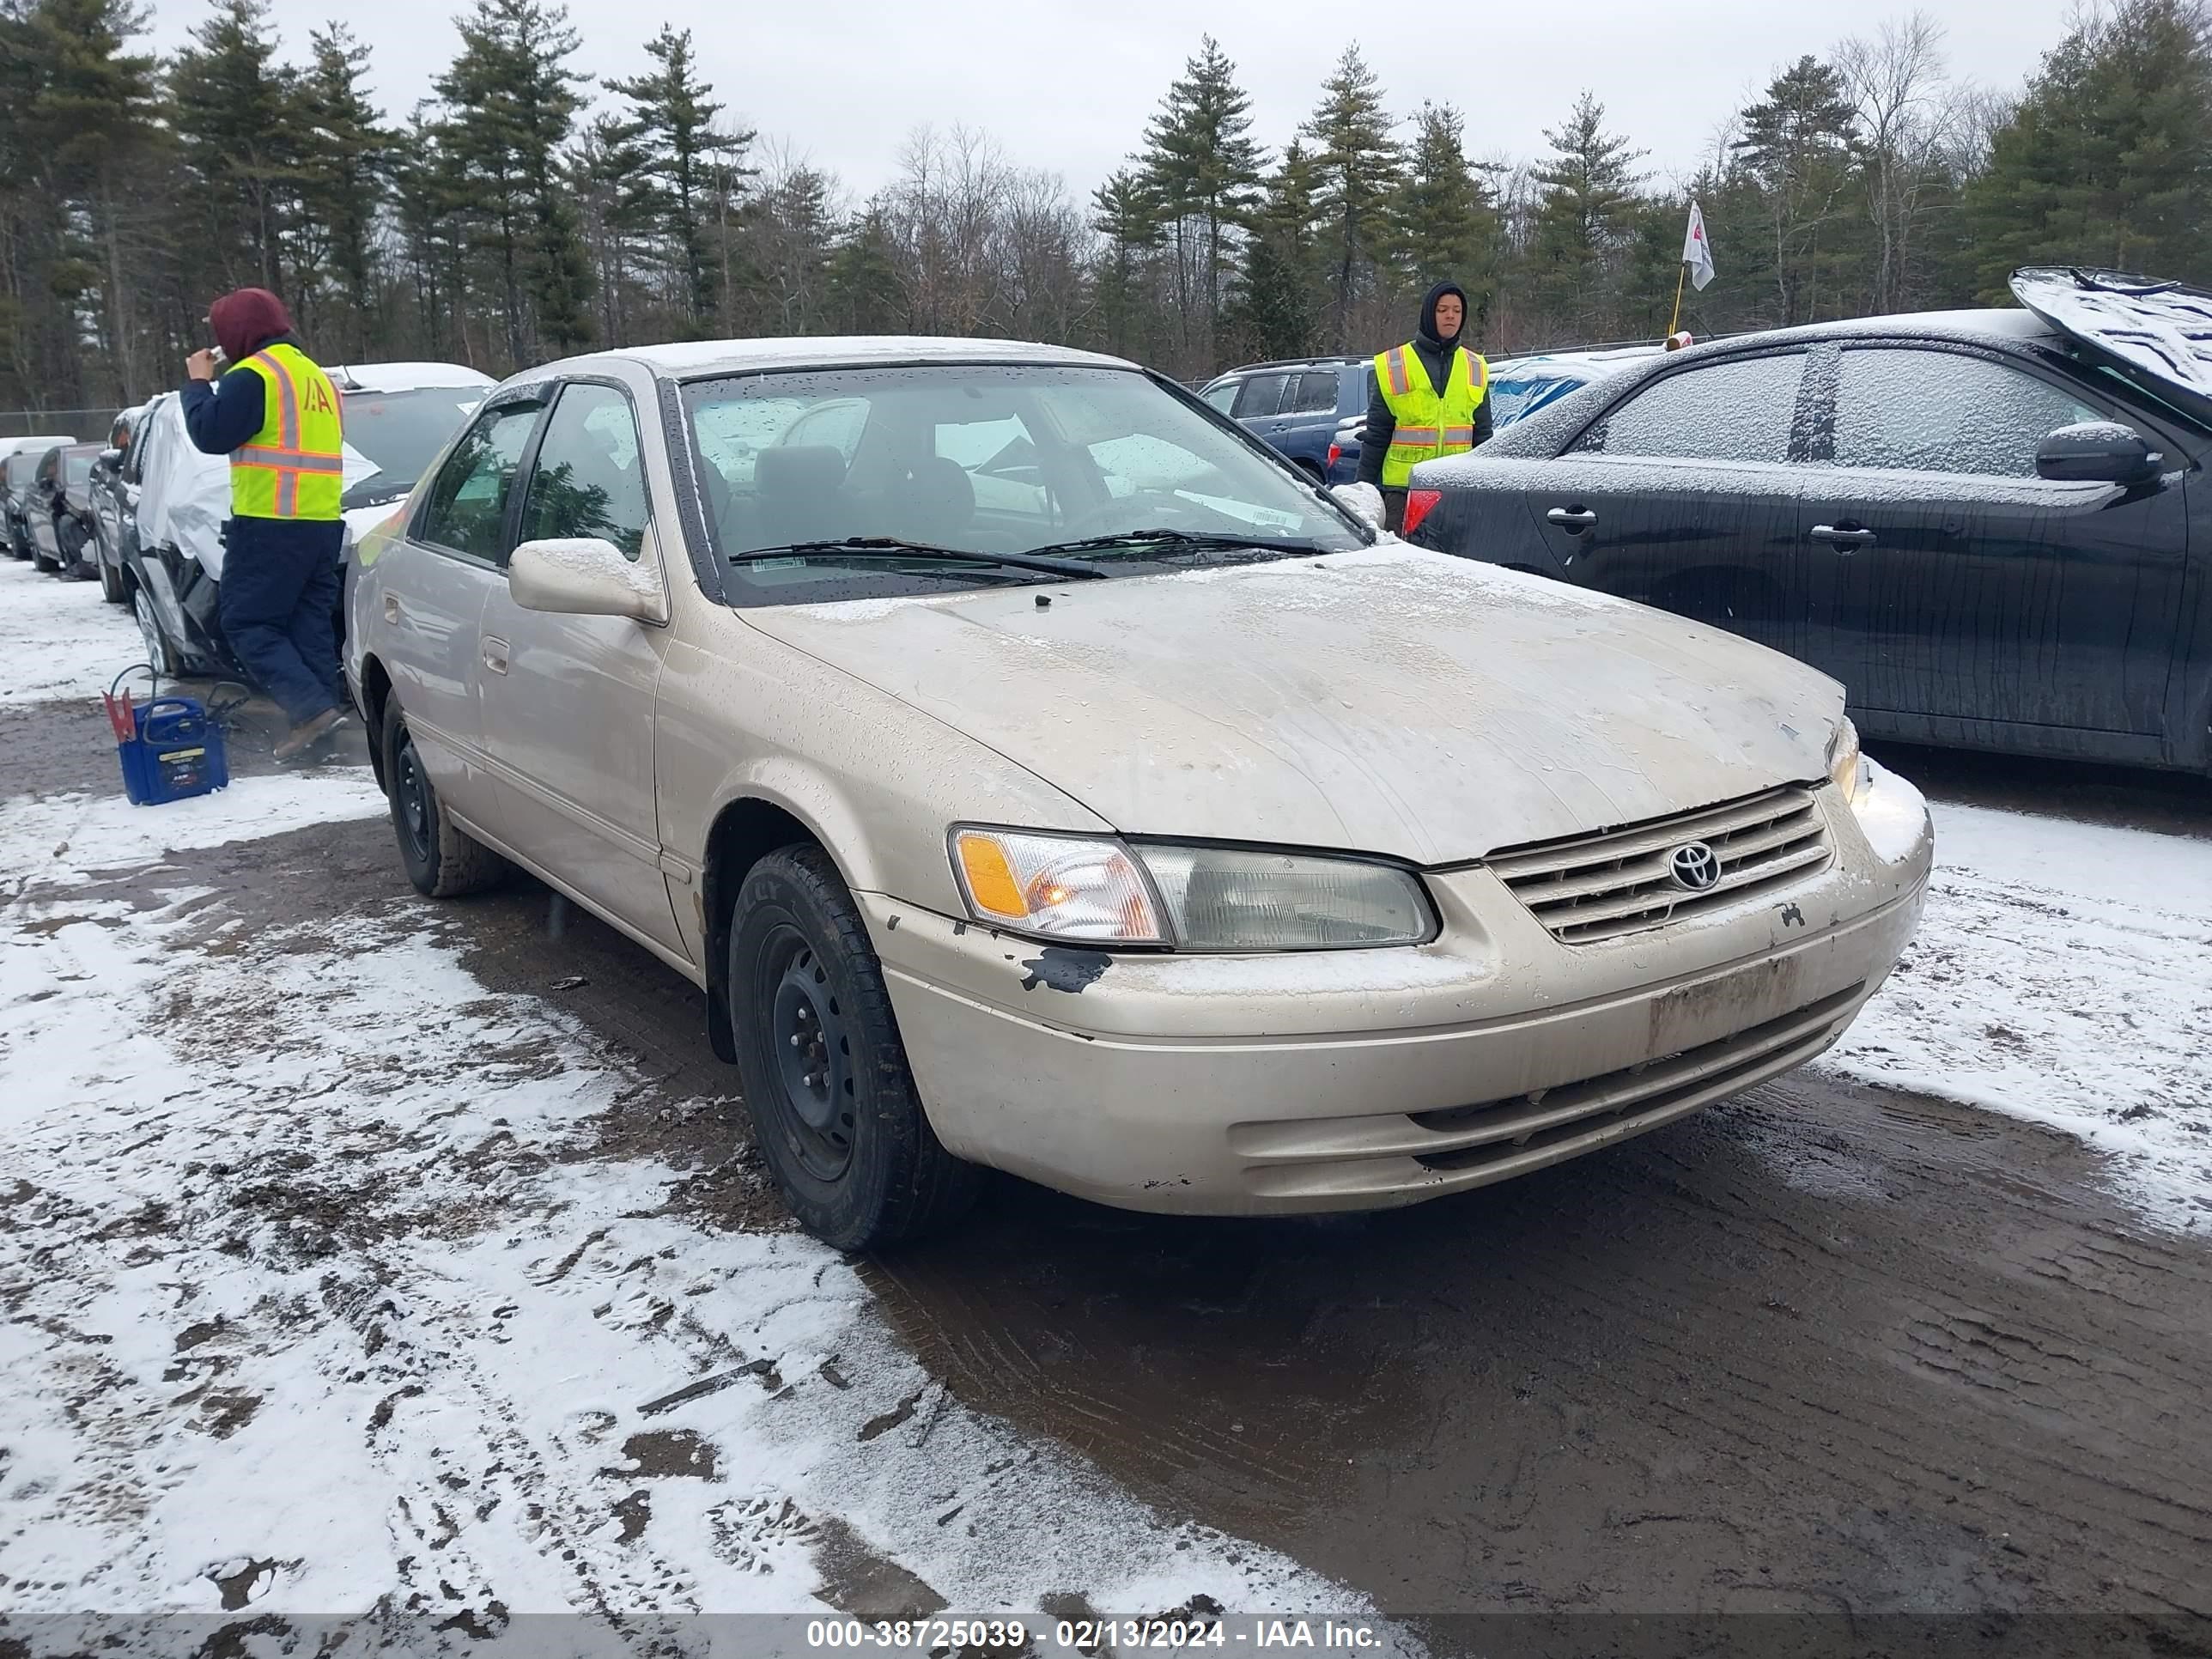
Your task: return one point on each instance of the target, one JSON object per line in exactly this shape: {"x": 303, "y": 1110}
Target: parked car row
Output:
{"x": 143, "y": 513}
{"x": 45, "y": 503}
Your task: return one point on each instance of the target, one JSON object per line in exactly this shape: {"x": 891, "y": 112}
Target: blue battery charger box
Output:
{"x": 176, "y": 752}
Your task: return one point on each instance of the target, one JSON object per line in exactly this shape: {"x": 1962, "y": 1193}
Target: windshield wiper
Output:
{"x": 1164, "y": 537}
{"x": 891, "y": 547}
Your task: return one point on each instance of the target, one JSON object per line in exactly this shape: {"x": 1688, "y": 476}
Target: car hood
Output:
{"x": 1390, "y": 701}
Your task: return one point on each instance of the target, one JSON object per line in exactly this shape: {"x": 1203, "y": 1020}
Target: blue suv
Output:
{"x": 1295, "y": 408}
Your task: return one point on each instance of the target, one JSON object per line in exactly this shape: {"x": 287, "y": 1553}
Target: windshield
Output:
{"x": 400, "y": 432}
{"x": 980, "y": 459}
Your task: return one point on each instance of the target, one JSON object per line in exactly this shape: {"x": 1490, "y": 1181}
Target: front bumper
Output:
{"x": 1246, "y": 1085}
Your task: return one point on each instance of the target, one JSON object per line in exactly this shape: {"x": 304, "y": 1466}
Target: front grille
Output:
{"x": 1621, "y": 881}
{"x": 1502, "y": 1131}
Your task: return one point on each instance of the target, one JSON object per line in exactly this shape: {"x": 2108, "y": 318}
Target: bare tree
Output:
{"x": 1895, "y": 81}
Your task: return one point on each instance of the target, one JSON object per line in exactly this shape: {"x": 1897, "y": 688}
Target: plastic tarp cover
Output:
{"x": 184, "y": 496}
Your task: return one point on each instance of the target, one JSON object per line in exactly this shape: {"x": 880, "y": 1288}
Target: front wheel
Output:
{"x": 111, "y": 581}
{"x": 832, "y": 1101}
{"x": 442, "y": 860}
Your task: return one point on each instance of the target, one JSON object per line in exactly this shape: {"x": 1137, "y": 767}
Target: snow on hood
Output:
{"x": 1390, "y": 701}
{"x": 184, "y": 496}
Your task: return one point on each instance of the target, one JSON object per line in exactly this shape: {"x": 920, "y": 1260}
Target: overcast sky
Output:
{"x": 1066, "y": 85}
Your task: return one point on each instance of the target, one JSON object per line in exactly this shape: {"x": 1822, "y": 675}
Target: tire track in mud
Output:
{"x": 425, "y": 1244}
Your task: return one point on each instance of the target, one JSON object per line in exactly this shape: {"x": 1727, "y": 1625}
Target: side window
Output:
{"x": 1315, "y": 393}
{"x": 1732, "y": 412}
{"x": 467, "y": 507}
{"x": 1222, "y": 394}
{"x": 1263, "y": 395}
{"x": 1925, "y": 411}
{"x": 588, "y": 479}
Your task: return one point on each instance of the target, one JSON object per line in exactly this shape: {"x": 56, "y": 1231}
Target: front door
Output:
{"x": 432, "y": 587}
{"x": 569, "y": 701}
{"x": 1683, "y": 497}
{"x": 1957, "y": 593}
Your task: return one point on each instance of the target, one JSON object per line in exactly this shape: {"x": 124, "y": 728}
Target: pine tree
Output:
{"x": 1126, "y": 213}
{"x": 676, "y": 112}
{"x": 234, "y": 108}
{"x": 429, "y": 191}
{"x": 514, "y": 100}
{"x": 77, "y": 117}
{"x": 1273, "y": 313}
{"x": 1797, "y": 144}
{"x": 1584, "y": 217}
{"x": 1201, "y": 167}
{"x": 1355, "y": 165}
{"x": 345, "y": 158}
{"x": 1446, "y": 230}
{"x": 865, "y": 297}
{"x": 624, "y": 208}
{"x": 2107, "y": 161}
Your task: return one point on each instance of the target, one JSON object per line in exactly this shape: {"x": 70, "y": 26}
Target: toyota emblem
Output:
{"x": 1694, "y": 865}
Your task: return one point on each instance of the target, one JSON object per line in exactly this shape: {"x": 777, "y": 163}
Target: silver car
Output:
{"x": 1035, "y": 772}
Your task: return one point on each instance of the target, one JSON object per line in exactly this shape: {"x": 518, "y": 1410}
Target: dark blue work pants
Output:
{"x": 280, "y": 595}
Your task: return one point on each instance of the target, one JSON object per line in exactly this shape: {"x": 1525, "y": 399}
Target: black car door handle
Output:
{"x": 1842, "y": 537}
{"x": 1577, "y": 518}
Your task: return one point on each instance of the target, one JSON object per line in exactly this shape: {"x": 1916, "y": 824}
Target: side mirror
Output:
{"x": 1362, "y": 500}
{"x": 584, "y": 576}
{"x": 2098, "y": 451}
{"x": 111, "y": 457}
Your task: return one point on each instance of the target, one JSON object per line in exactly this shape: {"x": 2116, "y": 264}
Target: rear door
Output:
{"x": 1958, "y": 596}
{"x": 1683, "y": 496}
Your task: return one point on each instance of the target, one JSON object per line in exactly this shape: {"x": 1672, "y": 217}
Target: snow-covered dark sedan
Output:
{"x": 1993, "y": 527}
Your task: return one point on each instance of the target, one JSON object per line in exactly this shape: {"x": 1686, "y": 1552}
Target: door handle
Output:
{"x": 1843, "y": 538}
{"x": 495, "y": 654}
{"x": 391, "y": 607}
{"x": 1575, "y": 519}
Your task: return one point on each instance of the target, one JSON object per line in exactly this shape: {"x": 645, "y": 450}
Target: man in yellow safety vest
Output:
{"x": 1431, "y": 397}
{"x": 277, "y": 417}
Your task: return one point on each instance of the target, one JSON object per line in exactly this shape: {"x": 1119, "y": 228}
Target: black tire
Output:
{"x": 110, "y": 584}
{"x": 853, "y": 1153}
{"x": 441, "y": 860}
{"x": 160, "y": 654}
{"x": 46, "y": 565}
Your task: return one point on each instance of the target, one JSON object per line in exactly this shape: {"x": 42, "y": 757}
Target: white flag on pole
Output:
{"x": 1696, "y": 252}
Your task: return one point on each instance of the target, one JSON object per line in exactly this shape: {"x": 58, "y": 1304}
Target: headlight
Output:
{"x": 1847, "y": 766}
{"x": 1189, "y": 898}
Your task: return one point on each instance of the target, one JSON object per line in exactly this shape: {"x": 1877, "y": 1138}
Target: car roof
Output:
{"x": 404, "y": 377}
{"x": 694, "y": 358}
{"x": 42, "y": 443}
{"x": 1343, "y": 360}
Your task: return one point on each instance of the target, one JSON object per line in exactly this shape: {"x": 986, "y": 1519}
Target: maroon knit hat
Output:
{"x": 247, "y": 320}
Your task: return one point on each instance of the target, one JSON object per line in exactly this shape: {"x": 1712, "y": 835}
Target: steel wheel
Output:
{"x": 410, "y": 795}
{"x": 814, "y": 1054}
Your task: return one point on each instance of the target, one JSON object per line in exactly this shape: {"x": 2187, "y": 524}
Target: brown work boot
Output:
{"x": 303, "y": 740}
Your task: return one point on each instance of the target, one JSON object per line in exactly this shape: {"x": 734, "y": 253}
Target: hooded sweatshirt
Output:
{"x": 1434, "y": 354}
{"x": 222, "y": 417}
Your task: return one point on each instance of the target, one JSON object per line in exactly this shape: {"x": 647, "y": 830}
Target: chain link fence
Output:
{"x": 85, "y": 425}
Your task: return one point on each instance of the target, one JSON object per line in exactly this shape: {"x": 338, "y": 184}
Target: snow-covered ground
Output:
{"x": 2063, "y": 974}
{"x": 57, "y": 639}
{"x": 307, "y": 1236}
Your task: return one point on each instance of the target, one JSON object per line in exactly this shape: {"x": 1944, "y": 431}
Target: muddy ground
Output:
{"x": 1823, "y": 1349}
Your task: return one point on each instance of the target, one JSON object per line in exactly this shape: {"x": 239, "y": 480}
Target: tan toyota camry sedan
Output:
{"x": 1035, "y": 772}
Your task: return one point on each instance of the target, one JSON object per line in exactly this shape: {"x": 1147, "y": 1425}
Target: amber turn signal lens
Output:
{"x": 991, "y": 881}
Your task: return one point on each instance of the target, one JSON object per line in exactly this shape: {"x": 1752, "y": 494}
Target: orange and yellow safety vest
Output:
{"x": 1430, "y": 423}
{"x": 293, "y": 467}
